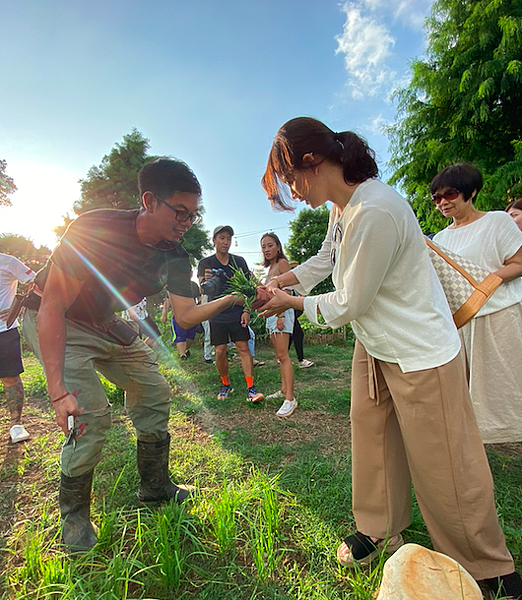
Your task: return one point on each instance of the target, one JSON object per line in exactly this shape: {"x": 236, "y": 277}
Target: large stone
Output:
{"x": 416, "y": 573}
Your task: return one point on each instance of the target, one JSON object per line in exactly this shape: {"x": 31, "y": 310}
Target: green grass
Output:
{"x": 273, "y": 497}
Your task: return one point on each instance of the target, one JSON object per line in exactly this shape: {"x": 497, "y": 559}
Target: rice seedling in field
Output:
{"x": 224, "y": 509}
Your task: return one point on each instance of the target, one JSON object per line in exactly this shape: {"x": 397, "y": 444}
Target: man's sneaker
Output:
{"x": 225, "y": 391}
{"x": 276, "y": 395}
{"x": 183, "y": 356}
{"x": 18, "y": 434}
{"x": 287, "y": 408}
{"x": 253, "y": 395}
{"x": 305, "y": 364}
{"x": 209, "y": 361}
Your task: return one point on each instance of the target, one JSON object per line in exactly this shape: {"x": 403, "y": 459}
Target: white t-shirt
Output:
{"x": 488, "y": 242}
{"x": 385, "y": 283}
{"x": 140, "y": 309}
{"x": 12, "y": 271}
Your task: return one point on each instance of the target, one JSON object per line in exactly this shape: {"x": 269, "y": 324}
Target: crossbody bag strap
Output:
{"x": 451, "y": 262}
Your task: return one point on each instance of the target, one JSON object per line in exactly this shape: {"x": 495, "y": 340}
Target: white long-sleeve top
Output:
{"x": 385, "y": 284}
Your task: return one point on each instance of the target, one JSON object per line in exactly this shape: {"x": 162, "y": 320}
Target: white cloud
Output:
{"x": 410, "y": 13}
{"x": 366, "y": 45}
{"x": 376, "y": 125}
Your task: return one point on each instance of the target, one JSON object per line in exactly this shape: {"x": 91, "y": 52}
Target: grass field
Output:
{"x": 272, "y": 501}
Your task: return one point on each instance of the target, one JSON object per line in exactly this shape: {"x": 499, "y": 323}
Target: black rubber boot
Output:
{"x": 78, "y": 532}
{"x": 153, "y": 467}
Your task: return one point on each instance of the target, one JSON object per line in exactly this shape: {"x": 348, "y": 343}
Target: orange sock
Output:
{"x": 250, "y": 381}
{"x": 225, "y": 380}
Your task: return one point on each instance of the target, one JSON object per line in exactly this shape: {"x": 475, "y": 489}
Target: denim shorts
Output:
{"x": 271, "y": 323}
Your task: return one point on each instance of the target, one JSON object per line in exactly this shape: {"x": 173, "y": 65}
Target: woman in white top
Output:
{"x": 410, "y": 410}
{"x": 281, "y": 326}
{"x": 492, "y": 340}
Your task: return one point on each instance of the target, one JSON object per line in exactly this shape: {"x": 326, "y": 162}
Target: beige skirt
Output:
{"x": 493, "y": 352}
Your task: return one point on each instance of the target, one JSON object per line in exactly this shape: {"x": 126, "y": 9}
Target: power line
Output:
{"x": 249, "y": 233}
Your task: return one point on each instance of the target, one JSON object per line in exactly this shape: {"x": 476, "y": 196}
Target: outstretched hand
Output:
{"x": 280, "y": 301}
{"x": 262, "y": 297}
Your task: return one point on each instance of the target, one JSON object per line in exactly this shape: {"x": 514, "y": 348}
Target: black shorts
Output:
{"x": 10, "y": 353}
{"x": 221, "y": 333}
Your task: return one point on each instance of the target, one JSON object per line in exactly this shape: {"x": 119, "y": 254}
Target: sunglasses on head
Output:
{"x": 450, "y": 194}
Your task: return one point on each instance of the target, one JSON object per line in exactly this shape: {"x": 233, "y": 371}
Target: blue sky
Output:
{"x": 206, "y": 81}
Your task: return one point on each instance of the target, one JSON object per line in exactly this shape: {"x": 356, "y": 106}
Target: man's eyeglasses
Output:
{"x": 181, "y": 215}
{"x": 450, "y": 194}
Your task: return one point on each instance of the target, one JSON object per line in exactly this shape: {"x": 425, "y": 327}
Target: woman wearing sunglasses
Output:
{"x": 411, "y": 415}
{"x": 492, "y": 340}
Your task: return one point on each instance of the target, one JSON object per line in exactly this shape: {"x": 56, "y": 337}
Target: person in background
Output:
{"x": 280, "y": 326}
{"x": 492, "y": 340}
{"x": 411, "y": 414}
{"x": 252, "y": 348}
{"x": 147, "y": 328}
{"x": 232, "y": 323}
{"x": 514, "y": 210}
{"x": 183, "y": 338}
{"x": 297, "y": 336}
{"x": 12, "y": 271}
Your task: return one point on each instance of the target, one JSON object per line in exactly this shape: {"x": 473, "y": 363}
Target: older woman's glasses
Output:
{"x": 450, "y": 194}
{"x": 181, "y": 215}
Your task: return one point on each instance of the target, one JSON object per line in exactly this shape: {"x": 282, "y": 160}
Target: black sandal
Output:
{"x": 364, "y": 549}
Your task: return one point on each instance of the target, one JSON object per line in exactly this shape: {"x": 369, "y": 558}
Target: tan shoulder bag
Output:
{"x": 466, "y": 285}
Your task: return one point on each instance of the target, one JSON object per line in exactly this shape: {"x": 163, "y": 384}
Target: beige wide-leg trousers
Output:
{"x": 419, "y": 427}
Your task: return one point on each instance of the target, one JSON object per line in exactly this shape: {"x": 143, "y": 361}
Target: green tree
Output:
{"x": 308, "y": 231}
{"x": 463, "y": 104}
{"x": 114, "y": 184}
{"x": 7, "y": 185}
{"x": 24, "y": 249}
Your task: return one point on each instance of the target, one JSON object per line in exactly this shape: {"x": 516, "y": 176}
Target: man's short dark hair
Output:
{"x": 166, "y": 176}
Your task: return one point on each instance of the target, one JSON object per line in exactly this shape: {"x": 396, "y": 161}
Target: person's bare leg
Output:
{"x": 273, "y": 339}
{"x": 181, "y": 348}
{"x": 14, "y": 394}
{"x": 221, "y": 360}
{"x": 247, "y": 364}
{"x": 280, "y": 343}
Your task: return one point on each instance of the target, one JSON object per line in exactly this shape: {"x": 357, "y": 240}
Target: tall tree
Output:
{"x": 308, "y": 231}
{"x": 7, "y": 185}
{"x": 114, "y": 184}
{"x": 463, "y": 103}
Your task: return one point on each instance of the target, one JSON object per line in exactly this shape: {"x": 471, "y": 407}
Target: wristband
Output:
{"x": 246, "y": 310}
{"x": 61, "y": 397}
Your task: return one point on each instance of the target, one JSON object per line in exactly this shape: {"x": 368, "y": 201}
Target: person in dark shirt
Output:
{"x": 107, "y": 261}
{"x": 232, "y": 323}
